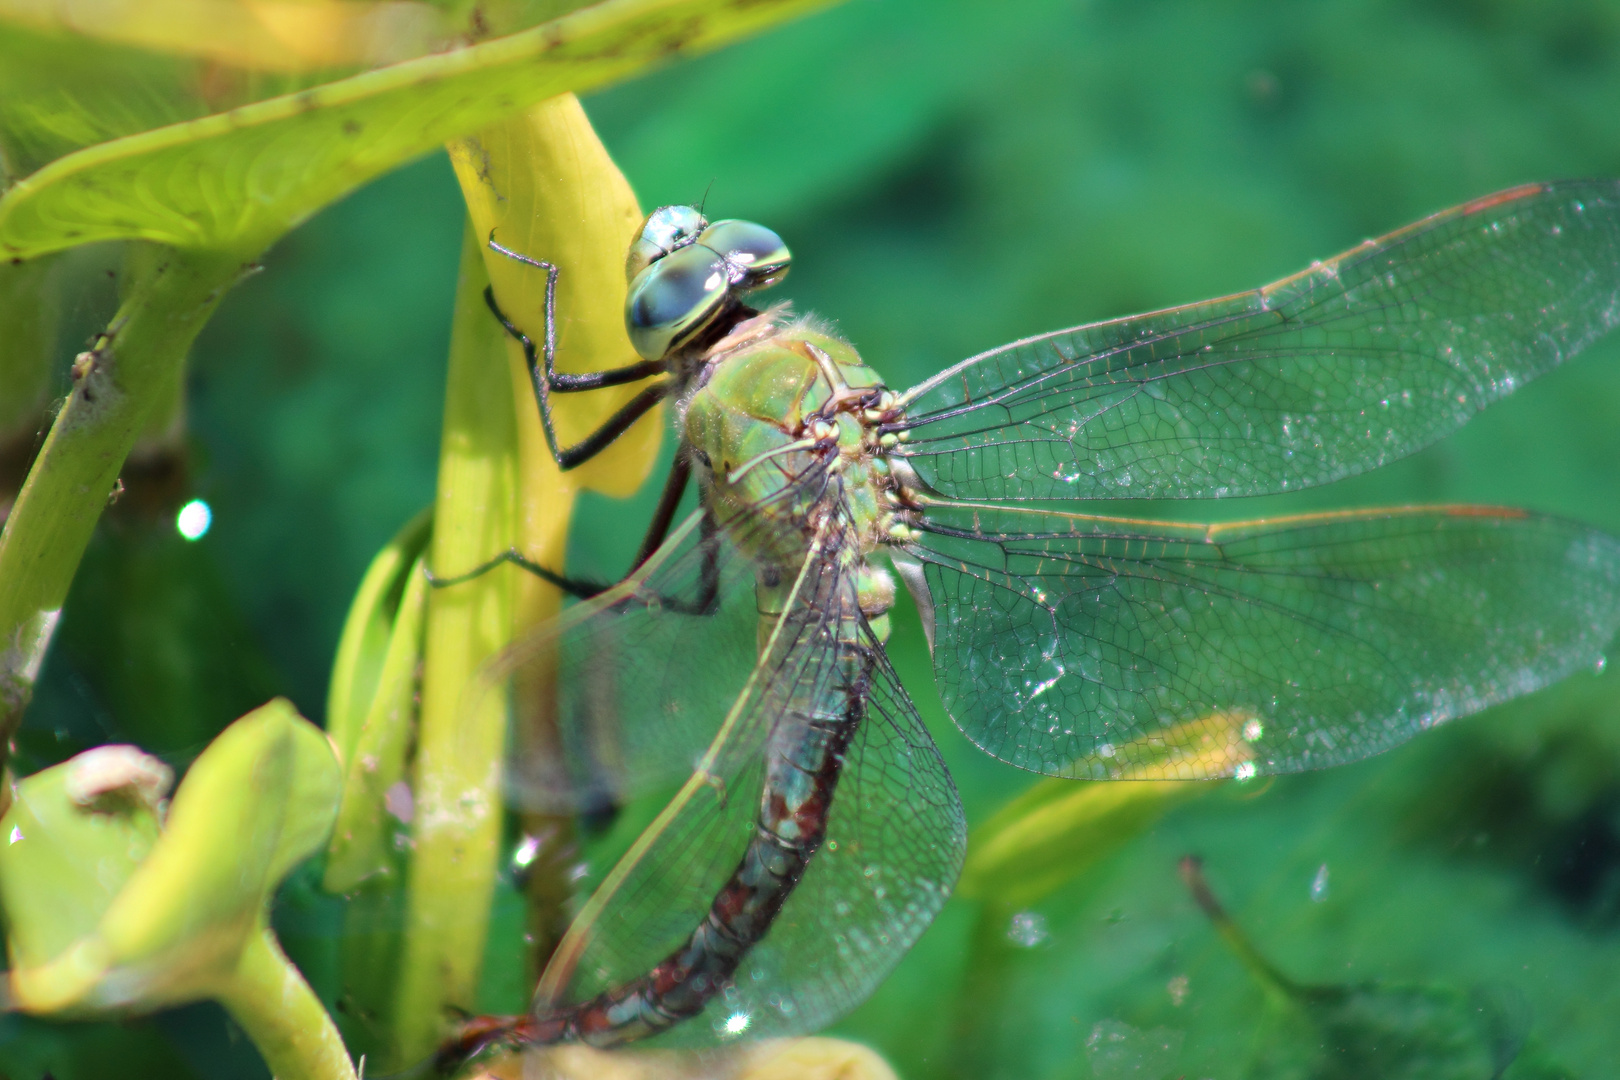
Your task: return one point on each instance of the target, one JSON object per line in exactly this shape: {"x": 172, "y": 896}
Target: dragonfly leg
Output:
{"x": 658, "y": 528}
{"x": 584, "y": 590}
{"x": 706, "y": 601}
{"x": 541, "y": 361}
{"x": 679, "y": 475}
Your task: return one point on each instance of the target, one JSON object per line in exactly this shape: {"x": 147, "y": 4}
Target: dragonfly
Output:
{"x": 816, "y": 832}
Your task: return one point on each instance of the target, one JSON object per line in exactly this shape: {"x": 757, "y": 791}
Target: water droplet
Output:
{"x": 1319, "y": 884}
{"x": 1245, "y": 771}
{"x": 1602, "y": 662}
{"x": 735, "y": 1024}
{"x": 1027, "y": 929}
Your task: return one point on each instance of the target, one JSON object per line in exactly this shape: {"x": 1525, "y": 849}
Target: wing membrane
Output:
{"x": 893, "y": 850}
{"x": 1351, "y": 364}
{"x": 1096, "y": 647}
{"x": 644, "y": 675}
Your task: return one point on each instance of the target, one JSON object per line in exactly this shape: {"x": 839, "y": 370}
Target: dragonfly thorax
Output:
{"x": 781, "y": 433}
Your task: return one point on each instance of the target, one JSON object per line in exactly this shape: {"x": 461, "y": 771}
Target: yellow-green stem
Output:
{"x": 283, "y": 1017}
{"x": 458, "y": 814}
{"x": 136, "y": 366}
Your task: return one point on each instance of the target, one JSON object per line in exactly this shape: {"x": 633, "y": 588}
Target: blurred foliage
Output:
{"x": 1363, "y": 1029}
{"x": 950, "y": 180}
{"x": 117, "y": 901}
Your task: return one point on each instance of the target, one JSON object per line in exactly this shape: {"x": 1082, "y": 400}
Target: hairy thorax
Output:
{"x": 782, "y": 426}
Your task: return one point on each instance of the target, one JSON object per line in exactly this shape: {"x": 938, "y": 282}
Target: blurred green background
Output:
{"x": 951, "y": 176}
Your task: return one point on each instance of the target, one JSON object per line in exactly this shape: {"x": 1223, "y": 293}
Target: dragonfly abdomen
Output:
{"x": 806, "y": 758}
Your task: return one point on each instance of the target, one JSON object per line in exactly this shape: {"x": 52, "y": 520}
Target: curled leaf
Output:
{"x": 105, "y": 911}
{"x": 1058, "y": 830}
{"x": 363, "y": 647}
{"x": 375, "y": 765}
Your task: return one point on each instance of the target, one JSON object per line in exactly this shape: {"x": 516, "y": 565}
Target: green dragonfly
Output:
{"x": 817, "y": 832}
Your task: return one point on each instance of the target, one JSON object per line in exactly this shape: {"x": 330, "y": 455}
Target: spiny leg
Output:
{"x": 546, "y": 378}
{"x": 584, "y": 590}
{"x": 706, "y": 602}
{"x": 674, "y": 487}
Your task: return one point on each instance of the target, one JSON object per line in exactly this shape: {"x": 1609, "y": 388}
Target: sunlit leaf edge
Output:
{"x": 293, "y": 154}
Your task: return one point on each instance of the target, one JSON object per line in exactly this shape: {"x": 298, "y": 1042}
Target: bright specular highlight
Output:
{"x": 193, "y": 519}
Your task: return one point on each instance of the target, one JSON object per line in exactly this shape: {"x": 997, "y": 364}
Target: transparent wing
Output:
{"x": 893, "y": 850}
{"x": 639, "y": 677}
{"x": 1350, "y": 364}
{"x": 1099, "y": 647}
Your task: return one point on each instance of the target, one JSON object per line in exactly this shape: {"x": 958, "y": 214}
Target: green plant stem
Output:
{"x": 461, "y": 733}
{"x": 283, "y": 1017}
{"x": 1264, "y": 972}
{"x": 136, "y": 365}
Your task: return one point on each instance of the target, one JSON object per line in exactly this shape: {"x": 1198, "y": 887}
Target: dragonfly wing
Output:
{"x": 1102, "y": 647}
{"x": 1352, "y": 363}
{"x": 894, "y": 848}
{"x": 639, "y": 677}
{"x": 892, "y": 852}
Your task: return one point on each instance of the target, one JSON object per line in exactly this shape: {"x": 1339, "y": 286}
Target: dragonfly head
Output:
{"x": 685, "y": 273}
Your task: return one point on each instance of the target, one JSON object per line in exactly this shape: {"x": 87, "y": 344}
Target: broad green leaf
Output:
{"x": 237, "y": 180}
{"x": 61, "y": 92}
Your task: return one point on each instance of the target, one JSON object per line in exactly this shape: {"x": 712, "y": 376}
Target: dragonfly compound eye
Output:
{"x": 674, "y": 298}
{"x": 756, "y": 255}
{"x": 666, "y": 229}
